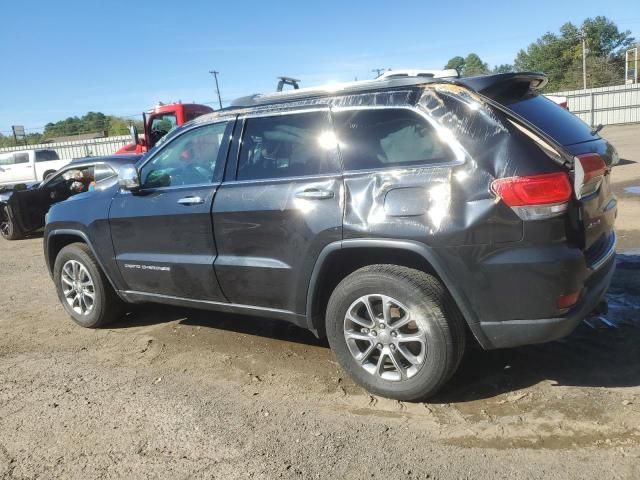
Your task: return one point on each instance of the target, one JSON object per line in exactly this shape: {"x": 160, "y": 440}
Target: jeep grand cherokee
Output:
{"x": 391, "y": 216}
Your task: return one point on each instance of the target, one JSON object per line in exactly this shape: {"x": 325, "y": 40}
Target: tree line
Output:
{"x": 91, "y": 122}
{"x": 559, "y": 56}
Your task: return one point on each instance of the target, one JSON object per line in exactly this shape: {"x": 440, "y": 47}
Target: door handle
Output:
{"x": 315, "y": 194}
{"x": 191, "y": 201}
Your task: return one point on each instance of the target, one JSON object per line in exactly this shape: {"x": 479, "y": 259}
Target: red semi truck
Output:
{"x": 160, "y": 121}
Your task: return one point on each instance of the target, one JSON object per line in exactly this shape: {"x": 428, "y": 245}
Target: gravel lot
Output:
{"x": 176, "y": 393}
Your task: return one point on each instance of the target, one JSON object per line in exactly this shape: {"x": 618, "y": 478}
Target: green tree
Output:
{"x": 91, "y": 122}
{"x": 504, "y": 68}
{"x": 473, "y": 65}
{"x": 468, "y": 66}
{"x": 559, "y": 55}
{"x": 456, "y": 63}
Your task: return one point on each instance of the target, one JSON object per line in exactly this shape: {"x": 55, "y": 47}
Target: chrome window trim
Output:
{"x": 279, "y": 113}
{"x": 285, "y": 179}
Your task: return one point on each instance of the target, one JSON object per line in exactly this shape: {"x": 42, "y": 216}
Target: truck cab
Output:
{"x": 25, "y": 166}
{"x": 161, "y": 120}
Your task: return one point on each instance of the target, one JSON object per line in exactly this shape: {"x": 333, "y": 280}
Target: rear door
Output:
{"x": 282, "y": 205}
{"x": 162, "y": 235}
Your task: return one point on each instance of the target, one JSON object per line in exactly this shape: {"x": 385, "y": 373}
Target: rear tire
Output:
{"x": 416, "y": 340}
{"x": 8, "y": 228}
{"x": 83, "y": 289}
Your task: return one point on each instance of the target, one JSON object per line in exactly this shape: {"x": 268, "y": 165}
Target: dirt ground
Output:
{"x": 176, "y": 393}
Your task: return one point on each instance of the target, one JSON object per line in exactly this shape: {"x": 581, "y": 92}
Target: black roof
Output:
{"x": 480, "y": 84}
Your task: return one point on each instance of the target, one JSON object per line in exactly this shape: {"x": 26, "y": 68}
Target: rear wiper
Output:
{"x": 595, "y": 130}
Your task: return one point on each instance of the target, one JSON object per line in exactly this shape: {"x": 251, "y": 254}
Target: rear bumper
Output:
{"x": 513, "y": 333}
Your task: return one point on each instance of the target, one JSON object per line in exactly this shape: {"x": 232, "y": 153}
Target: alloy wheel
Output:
{"x": 78, "y": 287}
{"x": 384, "y": 338}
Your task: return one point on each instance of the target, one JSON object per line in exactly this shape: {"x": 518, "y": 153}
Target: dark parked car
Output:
{"x": 23, "y": 207}
{"x": 390, "y": 216}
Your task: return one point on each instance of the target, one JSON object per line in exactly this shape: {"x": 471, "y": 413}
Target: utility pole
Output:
{"x": 215, "y": 75}
{"x": 584, "y": 60}
{"x": 378, "y": 71}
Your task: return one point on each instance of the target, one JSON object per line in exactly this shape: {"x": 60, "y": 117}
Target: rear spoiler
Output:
{"x": 495, "y": 87}
{"x": 489, "y": 85}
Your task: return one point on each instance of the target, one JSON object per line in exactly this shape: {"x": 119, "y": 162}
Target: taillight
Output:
{"x": 535, "y": 197}
{"x": 589, "y": 173}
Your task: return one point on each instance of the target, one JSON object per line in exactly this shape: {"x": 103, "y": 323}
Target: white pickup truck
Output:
{"x": 26, "y": 166}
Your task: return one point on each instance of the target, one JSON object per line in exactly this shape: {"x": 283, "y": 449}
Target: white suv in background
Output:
{"x": 413, "y": 72}
{"x": 25, "y": 166}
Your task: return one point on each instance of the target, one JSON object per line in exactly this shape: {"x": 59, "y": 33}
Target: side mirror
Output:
{"x": 135, "y": 138}
{"x": 128, "y": 178}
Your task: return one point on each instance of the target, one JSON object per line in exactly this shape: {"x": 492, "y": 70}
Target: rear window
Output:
{"x": 46, "y": 155}
{"x": 560, "y": 124}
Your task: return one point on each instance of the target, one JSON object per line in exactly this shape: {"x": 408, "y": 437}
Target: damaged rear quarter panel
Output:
{"x": 449, "y": 207}
{"x": 441, "y": 205}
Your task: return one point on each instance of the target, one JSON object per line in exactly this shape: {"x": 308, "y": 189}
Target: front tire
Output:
{"x": 83, "y": 289}
{"x": 396, "y": 331}
{"x": 8, "y": 228}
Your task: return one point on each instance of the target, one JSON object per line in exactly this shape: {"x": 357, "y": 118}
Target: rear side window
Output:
{"x": 46, "y": 155}
{"x": 380, "y": 138}
{"x": 102, "y": 172}
{"x": 560, "y": 124}
{"x": 287, "y": 146}
{"x": 20, "y": 158}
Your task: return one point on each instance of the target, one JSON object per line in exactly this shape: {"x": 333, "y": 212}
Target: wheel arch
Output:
{"x": 47, "y": 173}
{"x": 339, "y": 259}
{"x": 57, "y": 239}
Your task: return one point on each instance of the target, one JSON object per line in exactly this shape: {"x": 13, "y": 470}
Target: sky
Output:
{"x": 65, "y": 58}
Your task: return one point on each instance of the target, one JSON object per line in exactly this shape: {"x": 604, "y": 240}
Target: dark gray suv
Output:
{"x": 392, "y": 216}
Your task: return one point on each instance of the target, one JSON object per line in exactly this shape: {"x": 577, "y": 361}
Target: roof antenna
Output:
{"x": 288, "y": 81}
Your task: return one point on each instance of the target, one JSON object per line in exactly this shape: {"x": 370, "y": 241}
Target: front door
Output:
{"x": 162, "y": 234}
{"x": 279, "y": 210}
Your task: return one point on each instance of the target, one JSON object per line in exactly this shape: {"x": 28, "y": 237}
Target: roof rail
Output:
{"x": 331, "y": 89}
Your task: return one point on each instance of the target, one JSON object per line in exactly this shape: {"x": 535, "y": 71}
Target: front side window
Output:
{"x": 6, "y": 159}
{"x": 71, "y": 182}
{"x": 161, "y": 125}
{"x": 287, "y": 146}
{"x": 380, "y": 138}
{"x": 189, "y": 159}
